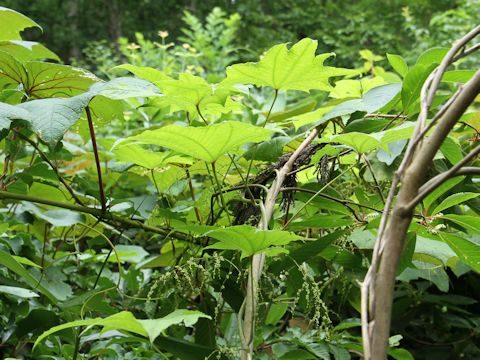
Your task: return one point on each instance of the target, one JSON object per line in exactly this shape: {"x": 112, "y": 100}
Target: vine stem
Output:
{"x": 258, "y": 260}
{"x": 103, "y": 200}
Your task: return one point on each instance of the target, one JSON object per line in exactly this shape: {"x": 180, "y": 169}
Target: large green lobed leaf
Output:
{"x": 297, "y": 68}
{"x": 205, "y": 143}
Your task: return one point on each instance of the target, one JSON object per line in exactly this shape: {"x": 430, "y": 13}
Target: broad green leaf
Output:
{"x": 27, "y": 50}
{"x": 395, "y": 148}
{"x": 467, "y": 251}
{"x": 12, "y": 71}
{"x": 55, "y": 80}
{"x": 401, "y": 132}
{"x": 155, "y": 327}
{"x": 17, "y": 291}
{"x": 205, "y": 143}
{"x": 144, "y": 72}
{"x": 412, "y": 85}
{"x": 366, "y": 125}
{"x": 192, "y": 94}
{"x": 468, "y": 222}
{"x": 125, "y": 321}
{"x": 360, "y": 142}
{"x": 8, "y": 113}
{"x": 250, "y": 241}
{"x": 400, "y": 354}
{"x": 146, "y": 158}
{"x": 51, "y": 118}
{"x": 436, "y": 274}
{"x": 275, "y": 313}
{"x": 311, "y": 117}
{"x": 434, "y": 248}
{"x": 12, "y": 23}
{"x": 269, "y": 150}
{"x": 9, "y": 262}
{"x": 129, "y": 253}
{"x": 372, "y": 101}
{"x": 346, "y": 89}
{"x": 432, "y": 56}
{"x": 451, "y": 150}
{"x": 442, "y": 189}
{"x": 398, "y": 64}
{"x": 281, "y": 68}
{"x": 458, "y": 76}
{"x": 453, "y": 200}
{"x": 62, "y": 217}
{"x": 363, "y": 239}
{"x": 42, "y": 79}
{"x": 322, "y": 222}
{"x": 124, "y": 88}
{"x": 25, "y": 261}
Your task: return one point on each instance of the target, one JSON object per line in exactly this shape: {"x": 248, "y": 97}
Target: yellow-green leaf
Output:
{"x": 205, "y": 143}
{"x": 297, "y": 68}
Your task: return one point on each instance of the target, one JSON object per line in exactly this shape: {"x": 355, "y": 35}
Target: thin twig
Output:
{"x": 103, "y": 200}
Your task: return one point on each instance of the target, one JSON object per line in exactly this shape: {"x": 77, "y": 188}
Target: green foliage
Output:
{"x": 133, "y": 205}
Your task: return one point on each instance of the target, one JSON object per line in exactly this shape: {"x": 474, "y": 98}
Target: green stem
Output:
{"x": 105, "y": 217}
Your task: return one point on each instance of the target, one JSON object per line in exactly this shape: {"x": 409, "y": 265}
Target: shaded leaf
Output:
{"x": 453, "y": 200}
{"x": 467, "y": 251}
{"x": 51, "y": 118}
{"x": 8, "y": 113}
{"x": 17, "y": 291}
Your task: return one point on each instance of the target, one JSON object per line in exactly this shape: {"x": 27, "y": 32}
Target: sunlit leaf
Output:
{"x": 27, "y": 50}
{"x": 146, "y": 158}
{"x": 249, "y": 240}
{"x": 206, "y": 143}
{"x": 398, "y": 64}
{"x": 144, "y": 72}
{"x": 297, "y": 68}
{"x": 13, "y": 23}
{"x": 126, "y": 321}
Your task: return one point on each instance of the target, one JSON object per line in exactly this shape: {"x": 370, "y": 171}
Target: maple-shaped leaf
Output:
{"x": 281, "y": 68}
{"x": 194, "y": 94}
